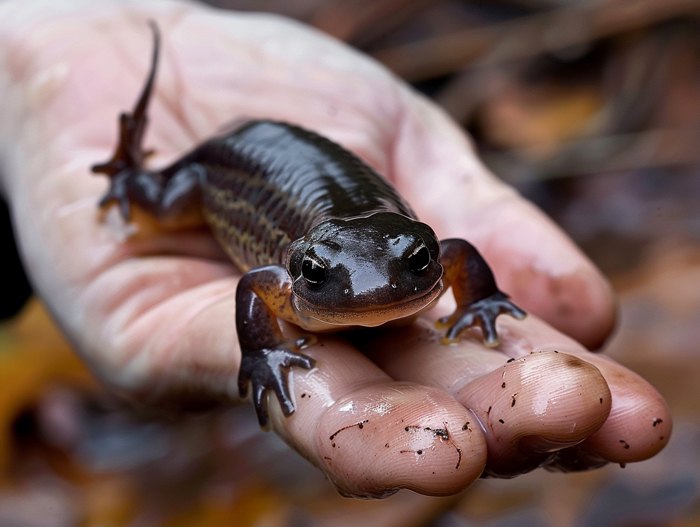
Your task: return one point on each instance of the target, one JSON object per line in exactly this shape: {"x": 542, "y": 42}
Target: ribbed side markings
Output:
{"x": 251, "y": 218}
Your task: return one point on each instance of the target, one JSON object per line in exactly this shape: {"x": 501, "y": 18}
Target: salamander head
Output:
{"x": 365, "y": 271}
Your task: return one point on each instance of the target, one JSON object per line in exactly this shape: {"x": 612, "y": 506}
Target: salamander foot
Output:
{"x": 119, "y": 193}
{"x": 266, "y": 369}
{"x": 483, "y": 314}
{"x": 127, "y": 161}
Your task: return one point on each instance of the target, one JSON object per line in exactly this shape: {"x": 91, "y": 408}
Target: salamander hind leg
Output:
{"x": 266, "y": 356}
{"x": 173, "y": 195}
{"x": 127, "y": 161}
{"x": 479, "y": 301}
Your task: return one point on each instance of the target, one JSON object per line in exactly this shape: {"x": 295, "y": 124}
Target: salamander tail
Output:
{"x": 129, "y": 154}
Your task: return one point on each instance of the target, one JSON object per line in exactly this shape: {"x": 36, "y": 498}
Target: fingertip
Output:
{"x": 640, "y": 422}
{"x": 351, "y": 421}
{"x": 534, "y": 406}
{"x": 400, "y": 436}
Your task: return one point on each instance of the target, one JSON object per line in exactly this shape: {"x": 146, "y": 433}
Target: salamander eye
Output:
{"x": 313, "y": 271}
{"x": 419, "y": 259}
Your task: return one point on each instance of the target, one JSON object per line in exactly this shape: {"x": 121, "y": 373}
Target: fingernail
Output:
{"x": 538, "y": 445}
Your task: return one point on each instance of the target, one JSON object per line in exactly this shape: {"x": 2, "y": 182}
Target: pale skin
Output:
{"x": 152, "y": 313}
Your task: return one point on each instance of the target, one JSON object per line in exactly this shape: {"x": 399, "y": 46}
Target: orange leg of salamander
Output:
{"x": 479, "y": 301}
{"x": 263, "y": 296}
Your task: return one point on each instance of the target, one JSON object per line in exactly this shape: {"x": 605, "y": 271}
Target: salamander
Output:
{"x": 325, "y": 242}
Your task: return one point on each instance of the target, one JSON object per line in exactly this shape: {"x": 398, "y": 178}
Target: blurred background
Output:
{"x": 591, "y": 109}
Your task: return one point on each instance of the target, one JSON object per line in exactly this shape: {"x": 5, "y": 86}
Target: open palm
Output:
{"x": 152, "y": 310}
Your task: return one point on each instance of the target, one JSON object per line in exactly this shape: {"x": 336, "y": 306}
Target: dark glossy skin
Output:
{"x": 327, "y": 243}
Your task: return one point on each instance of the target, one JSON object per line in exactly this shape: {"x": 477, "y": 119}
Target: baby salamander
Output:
{"x": 325, "y": 242}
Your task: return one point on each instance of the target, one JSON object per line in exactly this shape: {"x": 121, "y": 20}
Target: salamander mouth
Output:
{"x": 370, "y": 316}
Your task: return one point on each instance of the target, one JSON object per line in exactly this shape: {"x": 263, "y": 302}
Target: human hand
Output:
{"x": 153, "y": 313}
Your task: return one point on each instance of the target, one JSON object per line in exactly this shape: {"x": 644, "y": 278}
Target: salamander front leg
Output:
{"x": 479, "y": 301}
{"x": 262, "y": 296}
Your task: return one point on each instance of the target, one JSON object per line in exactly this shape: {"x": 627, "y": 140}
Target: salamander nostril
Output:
{"x": 419, "y": 259}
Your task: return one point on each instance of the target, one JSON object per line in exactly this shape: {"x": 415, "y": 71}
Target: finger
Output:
{"x": 639, "y": 424}
{"x": 534, "y": 262}
{"x": 537, "y": 405}
{"x": 373, "y": 436}
{"x": 528, "y": 408}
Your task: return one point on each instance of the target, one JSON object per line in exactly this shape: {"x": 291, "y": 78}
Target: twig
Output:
{"x": 528, "y": 36}
{"x": 366, "y": 21}
{"x": 616, "y": 153}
